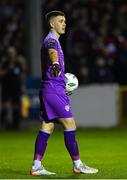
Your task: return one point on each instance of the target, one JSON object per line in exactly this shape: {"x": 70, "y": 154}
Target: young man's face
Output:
{"x": 58, "y": 24}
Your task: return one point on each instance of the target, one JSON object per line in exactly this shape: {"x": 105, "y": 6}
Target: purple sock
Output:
{"x": 71, "y": 144}
{"x": 40, "y": 145}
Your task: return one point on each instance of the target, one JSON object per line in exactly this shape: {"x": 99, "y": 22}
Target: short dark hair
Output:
{"x": 52, "y": 14}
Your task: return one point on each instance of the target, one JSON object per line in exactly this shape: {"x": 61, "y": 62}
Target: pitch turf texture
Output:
{"x": 104, "y": 149}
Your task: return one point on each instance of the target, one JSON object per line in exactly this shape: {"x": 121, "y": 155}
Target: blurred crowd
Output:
{"x": 13, "y": 67}
{"x": 95, "y": 43}
{"x": 12, "y": 25}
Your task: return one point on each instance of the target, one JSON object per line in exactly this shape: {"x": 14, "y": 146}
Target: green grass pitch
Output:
{"x": 105, "y": 149}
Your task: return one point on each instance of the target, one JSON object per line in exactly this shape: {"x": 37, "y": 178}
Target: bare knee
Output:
{"x": 47, "y": 127}
{"x": 68, "y": 123}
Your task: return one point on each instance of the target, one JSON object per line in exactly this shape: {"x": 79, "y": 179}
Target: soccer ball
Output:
{"x": 71, "y": 82}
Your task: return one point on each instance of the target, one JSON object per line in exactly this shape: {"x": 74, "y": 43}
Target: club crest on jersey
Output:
{"x": 67, "y": 108}
{"x": 51, "y": 43}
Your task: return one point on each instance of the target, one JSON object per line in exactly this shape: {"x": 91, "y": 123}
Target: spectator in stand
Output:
{"x": 12, "y": 72}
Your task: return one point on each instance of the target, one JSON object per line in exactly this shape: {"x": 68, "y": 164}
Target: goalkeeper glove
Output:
{"x": 55, "y": 70}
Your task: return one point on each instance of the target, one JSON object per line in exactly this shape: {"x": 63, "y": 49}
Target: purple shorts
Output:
{"x": 54, "y": 106}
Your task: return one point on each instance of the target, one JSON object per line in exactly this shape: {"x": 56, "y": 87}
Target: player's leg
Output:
{"x": 16, "y": 108}
{"x": 40, "y": 147}
{"x": 72, "y": 146}
{"x": 42, "y": 138}
{"x": 16, "y": 116}
{"x": 70, "y": 138}
{"x": 6, "y": 117}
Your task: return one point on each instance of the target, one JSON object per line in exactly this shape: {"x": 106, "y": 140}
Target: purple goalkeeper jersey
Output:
{"x": 54, "y": 103}
{"x": 52, "y": 84}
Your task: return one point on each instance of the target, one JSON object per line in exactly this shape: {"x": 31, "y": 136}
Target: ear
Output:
{"x": 51, "y": 25}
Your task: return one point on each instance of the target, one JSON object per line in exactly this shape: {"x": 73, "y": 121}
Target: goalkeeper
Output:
{"x": 55, "y": 104}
